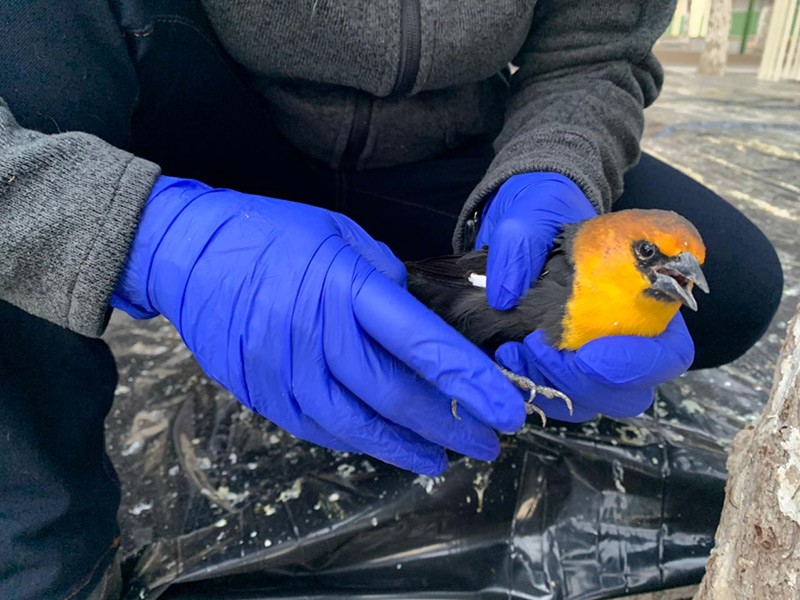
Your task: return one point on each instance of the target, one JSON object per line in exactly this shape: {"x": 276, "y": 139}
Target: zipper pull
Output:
{"x": 471, "y": 226}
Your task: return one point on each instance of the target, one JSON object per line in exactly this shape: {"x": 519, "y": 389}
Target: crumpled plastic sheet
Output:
{"x": 219, "y": 503}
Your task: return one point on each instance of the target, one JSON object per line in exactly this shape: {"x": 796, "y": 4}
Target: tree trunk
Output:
{"x": 715, "y": 51}
{"x": 757, "y": 549}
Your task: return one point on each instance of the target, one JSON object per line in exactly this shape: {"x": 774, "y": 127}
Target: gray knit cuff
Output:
{"x": 104, "y": 262}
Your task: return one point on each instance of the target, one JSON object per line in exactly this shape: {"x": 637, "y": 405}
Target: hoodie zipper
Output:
{"x": 470, "y": 232}
{"x": 359, "y": 128}
{"x": 410, "y": 47}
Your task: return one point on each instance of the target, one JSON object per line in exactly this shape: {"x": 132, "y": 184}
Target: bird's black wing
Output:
{"x": 444, "y": 285}
{"x": 453, "y": 269}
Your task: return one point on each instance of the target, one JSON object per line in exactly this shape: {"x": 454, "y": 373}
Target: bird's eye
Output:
{"x": 646, "y": 250}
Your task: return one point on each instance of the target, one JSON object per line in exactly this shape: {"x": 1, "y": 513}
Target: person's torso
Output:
{"x": 368, "y": 84}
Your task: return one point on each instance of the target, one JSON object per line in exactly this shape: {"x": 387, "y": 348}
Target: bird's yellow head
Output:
{"x": 633, "y": 269}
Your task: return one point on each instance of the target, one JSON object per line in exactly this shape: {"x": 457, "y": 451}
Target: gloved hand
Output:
{"x": 303, "y": 317}
{"x": 615, "y": 375}
{"x": 519, "y": 225}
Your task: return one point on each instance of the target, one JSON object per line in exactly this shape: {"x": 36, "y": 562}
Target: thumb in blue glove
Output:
{"x": 304, "y": 318}
{"x": 520, "y": 224}
{"x": 614, "y": 375}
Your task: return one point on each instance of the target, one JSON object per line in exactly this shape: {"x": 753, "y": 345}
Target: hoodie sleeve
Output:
{"x": 585, "y": 74}
{"x": 69, "y": 196}
{"x": 69, "y": 205}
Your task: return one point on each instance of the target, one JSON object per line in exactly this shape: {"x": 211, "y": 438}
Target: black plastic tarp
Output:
{"x": 221, "y": 504}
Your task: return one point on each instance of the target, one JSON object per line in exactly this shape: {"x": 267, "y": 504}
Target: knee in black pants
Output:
{"x": 58, "y": 492}
{"x": 742, "y": 267}
{"x": 749, "y": 287}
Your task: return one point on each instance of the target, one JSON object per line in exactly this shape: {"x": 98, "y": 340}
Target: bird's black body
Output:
{"x": 443, "y": 284}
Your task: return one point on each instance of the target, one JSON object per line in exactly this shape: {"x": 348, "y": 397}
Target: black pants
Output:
{"x": 171, "y": 95}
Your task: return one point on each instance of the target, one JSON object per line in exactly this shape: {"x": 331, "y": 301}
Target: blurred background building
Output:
{"x": 762, "y": 35}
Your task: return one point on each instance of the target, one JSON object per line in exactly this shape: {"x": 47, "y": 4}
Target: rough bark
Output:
{"x": 757, "y": 550}
{"x": 715, "y": 51}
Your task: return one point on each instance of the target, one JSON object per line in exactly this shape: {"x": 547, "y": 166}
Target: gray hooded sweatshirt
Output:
{"x": 356, "y": 83}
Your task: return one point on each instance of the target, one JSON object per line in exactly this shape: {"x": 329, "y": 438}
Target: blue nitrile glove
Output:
{"x": 614, "y": 375}
{"x": 304, "y": 318}
{"x": 519, "y": 225}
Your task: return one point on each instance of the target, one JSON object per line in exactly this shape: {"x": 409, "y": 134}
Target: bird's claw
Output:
{"x": 454, "y": 408}
{"x": 531, "y": 408}
{"x": 527, "y": 385}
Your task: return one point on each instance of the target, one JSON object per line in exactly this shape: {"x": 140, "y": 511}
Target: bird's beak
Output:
{"x": 674, "y": 278}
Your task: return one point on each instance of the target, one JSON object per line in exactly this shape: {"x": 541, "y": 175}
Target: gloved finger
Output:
{"x": 377, "y": 253}
{"x": 554, "y": 364}
{"x": 563, "y": 199}
{"x": 430, "y": 347}
{"x": 557, "y": 409}
{"x": 517, "y": 253}
{"x": 396, "y": 393}
{"x": 496, "y": 208}
{"x": 639, "y": 361}
{"x": 345, "y": 417}
{"x": 413, "y": 403}
{"x": 631, "y": 403}
{"x": 301, "y": 426}
{"x": 258, "y": 389}
{"x": 254, "y": 384}
{"x": 510, "y": 355}
{"x": 319, "y": 395}
{"x": 559, "y": 367}
{"x": 516, "y": 358}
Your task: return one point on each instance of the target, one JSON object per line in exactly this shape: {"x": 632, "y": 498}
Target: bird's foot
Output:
{"x": 527, "y": 385}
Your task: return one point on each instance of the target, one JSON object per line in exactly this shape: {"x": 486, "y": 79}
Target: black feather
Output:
{"x": 442, "y": 284}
